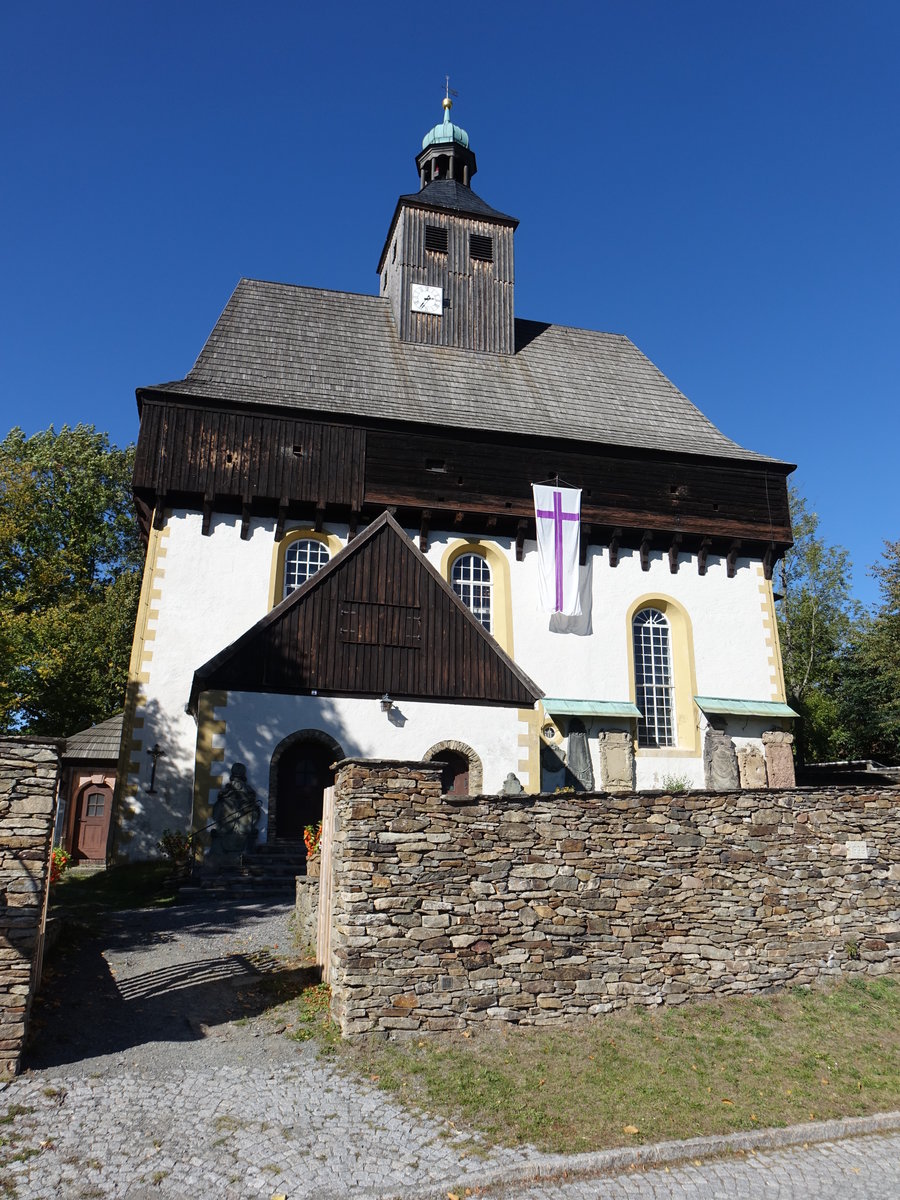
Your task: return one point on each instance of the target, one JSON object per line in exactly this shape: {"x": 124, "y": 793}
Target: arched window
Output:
{"x": 471, "y": 580}
{"x": 653, "y": 678}
{"x": 301, "y": 561}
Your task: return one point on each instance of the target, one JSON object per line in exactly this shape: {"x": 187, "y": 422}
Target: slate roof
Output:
{"x": 100, "y": 742}
{"x": 451, "y": 194}
{"x": 338, "y": 352}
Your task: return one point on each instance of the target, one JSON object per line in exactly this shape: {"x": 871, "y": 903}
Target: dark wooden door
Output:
{"x": 304, "y": 772}
{"x": 454, "y": 772}
{"x": 92, "y": 822}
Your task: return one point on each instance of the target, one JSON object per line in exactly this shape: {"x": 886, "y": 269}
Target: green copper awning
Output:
{"x": 591, "y": 708}
{"x": 743, "y": 708}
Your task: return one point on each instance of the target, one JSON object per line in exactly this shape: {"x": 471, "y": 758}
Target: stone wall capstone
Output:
{"x": 452, "y": 911}
{"x": 29, "y": 771}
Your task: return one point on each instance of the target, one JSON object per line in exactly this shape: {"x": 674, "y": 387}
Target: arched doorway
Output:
{"x": 461, "y": 770}
{"x": 91, "y": 826}
{"x": 301, "y": 771}
{"x": 454, "y": 772}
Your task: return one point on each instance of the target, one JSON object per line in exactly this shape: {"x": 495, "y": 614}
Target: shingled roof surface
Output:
{"x": 451, "y": 194}
{"x": 338, "y": 352}
{"x": 100, "y": 741}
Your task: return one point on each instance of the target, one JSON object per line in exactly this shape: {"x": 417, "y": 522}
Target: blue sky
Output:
{"x": 719, "y": 181}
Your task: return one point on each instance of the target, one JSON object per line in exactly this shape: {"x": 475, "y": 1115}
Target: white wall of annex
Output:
{"x": 256, "y": 724}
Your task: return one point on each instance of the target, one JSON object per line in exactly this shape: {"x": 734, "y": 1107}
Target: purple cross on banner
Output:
{"x": 558, "y": 515}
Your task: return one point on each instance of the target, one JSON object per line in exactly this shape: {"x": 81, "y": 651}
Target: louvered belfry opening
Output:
{"x": 436, "y": 239}
{"x": 481, "y": 247}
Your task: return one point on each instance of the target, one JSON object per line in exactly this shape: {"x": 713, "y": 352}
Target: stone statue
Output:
{"x": 236, "y": 814}
{"x": 579, "y": 757}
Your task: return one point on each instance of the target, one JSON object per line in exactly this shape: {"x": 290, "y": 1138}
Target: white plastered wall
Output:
{"x": 215, "y": 587}
{"x": 587, "y": 657}
{"x": 255, "y": 725}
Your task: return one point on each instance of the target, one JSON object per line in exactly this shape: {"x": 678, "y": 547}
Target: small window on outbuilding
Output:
{"x": 436, "y": 239}
{"x": 481, "y": 247}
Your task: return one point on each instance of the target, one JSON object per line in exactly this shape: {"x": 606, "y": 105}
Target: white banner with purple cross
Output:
{"x": 557, "y": 514}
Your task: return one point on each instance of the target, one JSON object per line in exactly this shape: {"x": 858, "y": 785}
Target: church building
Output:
{"x": 342, "y": 554}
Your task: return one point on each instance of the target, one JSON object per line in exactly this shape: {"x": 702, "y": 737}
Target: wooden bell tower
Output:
{"x": 448, "y": 264}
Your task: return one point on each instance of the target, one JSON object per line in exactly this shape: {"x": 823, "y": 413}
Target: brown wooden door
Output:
{"x": 304, "y": 772}
{"x": 92, "y": 822}
{"x": 454, "y": 772}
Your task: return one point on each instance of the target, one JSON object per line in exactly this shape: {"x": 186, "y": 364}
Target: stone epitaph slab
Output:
{"x": 579, "y": 757}
{"x": 779, "y": 758}
{"x": 752, "y": 767}
{"x": 616, "y": 761}
{"x": 720, "y": 762}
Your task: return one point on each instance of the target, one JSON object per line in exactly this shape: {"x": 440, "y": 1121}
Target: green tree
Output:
{"x": 869, "y": 694}
{"x": 70, "y": 560}
{"x": 816, "y": 620}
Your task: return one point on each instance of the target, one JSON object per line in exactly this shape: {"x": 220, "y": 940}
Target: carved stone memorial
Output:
{"x": 581, "y": 768}
{"x": 752, "y": 767}
{"x": 779, "y": 758}
{"x": 616, "y": 761}
{"x": 720, "y": 762}
{"x": 236, "y": 814}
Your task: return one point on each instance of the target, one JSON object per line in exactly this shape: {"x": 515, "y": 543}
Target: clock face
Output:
{"x": 426, "y": 299}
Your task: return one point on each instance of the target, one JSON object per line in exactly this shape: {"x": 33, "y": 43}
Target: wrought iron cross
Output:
{"x": 155, "y": 754}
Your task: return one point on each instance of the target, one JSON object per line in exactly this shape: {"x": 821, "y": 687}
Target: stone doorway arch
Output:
{"x": 453, "y": 750}
{"x": 299, "y": 772}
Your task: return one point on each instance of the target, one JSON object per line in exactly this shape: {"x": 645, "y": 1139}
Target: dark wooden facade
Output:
{"x": 378, "y": 618}
{"x": 307, "y": 468}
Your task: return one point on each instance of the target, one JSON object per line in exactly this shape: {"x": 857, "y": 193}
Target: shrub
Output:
{"x": 60, "y": 860}
{"x": 312, "y": 837}
{"x": 175, "y": 845}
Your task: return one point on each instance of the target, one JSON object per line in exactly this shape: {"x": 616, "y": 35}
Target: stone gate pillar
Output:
{"x": 29, "y": 777}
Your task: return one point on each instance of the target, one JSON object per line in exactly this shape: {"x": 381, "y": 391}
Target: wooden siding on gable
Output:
{"x": 377, "y": 619}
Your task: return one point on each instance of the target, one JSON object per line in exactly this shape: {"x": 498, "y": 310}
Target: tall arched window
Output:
{"x": 301, "y": 561}
{"x": 653, "y": 678}
{"x": 471, "y": 580}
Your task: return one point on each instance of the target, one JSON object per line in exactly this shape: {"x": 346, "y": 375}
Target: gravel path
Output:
{"x": 153, "y": 1075}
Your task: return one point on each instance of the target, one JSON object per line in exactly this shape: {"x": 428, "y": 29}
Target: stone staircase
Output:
{"x": 268, "y": 872}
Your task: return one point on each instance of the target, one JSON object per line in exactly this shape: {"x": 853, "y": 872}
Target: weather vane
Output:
{"x": 448, "y": 103}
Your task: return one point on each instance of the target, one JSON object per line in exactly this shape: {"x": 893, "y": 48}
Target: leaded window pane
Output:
{"x": 301, "y": 561}
{"x": 471, "y": 580}
{"x": 653, "y": 678}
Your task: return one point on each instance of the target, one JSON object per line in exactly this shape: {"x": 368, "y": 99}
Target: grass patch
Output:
{"x": 705, "y": 1068}
{"x": 312, "y": 1017}
{"x": 132, "y": 885}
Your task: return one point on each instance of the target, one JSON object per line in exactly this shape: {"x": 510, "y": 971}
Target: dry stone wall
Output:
{"x": 546, "y": 909}
{"x": 29, "y": 769}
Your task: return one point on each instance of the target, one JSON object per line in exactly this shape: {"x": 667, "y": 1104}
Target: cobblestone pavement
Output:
{"x": 153, "y": 1076}
{"x": 861, "y": 1168}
